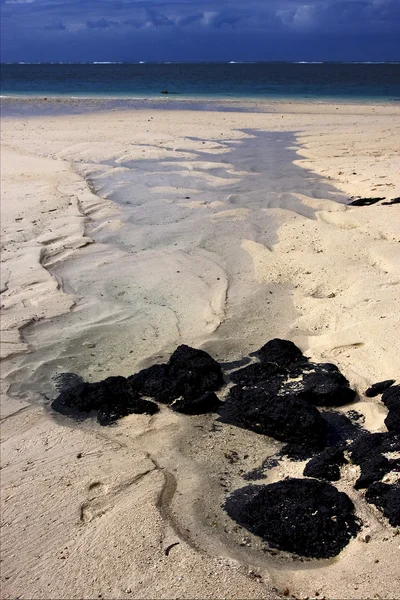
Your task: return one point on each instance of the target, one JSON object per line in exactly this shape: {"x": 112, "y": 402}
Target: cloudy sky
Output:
{"x": 195, "y": 30}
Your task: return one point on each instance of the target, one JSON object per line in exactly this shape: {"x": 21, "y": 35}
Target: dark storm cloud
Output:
{"x": 193, "y": 28}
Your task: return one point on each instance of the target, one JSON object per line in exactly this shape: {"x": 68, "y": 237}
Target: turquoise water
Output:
{"x": 339, "y": 81}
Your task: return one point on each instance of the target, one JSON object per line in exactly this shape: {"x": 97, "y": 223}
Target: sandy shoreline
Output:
{"x": 27, "y": 106}
{"x": 127, "y": 233}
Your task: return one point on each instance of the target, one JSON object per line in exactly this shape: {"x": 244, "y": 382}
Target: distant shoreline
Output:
{"x": 187, "y": 98}
{"x": 31, "y": 106}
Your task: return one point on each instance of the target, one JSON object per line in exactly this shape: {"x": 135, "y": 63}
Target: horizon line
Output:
{"x": 193, "y": 62}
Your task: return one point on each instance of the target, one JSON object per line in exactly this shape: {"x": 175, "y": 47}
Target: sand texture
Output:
{"x": 127, "y": 233}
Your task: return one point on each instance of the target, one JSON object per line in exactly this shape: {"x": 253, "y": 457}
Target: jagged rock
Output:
{"x": 365, "y": 201}
{"x": 259, "y": 375}
{"x": 112, "y": 398}
{"x": 392, "y": 420}
{"x": 391, "y": 396}
{"x": 206, "y": 403}
{"x": 305, "y": 516}
{"x": 378, "y": 388}
{"x": 326, "y": 464}
{"x": 188, "y": 373}
{"x": 281, "y": 352}
{"x": 154, "y": 382}
{"x": 387, "y": 498}
{"x": 321, "y": 384}
{"x": 372, "y": 469}
{"x": 289, "y": 419}
{"x": 368, "y": 452}
{"x": 192, "y": 358}
{"x": 391, "y": 399}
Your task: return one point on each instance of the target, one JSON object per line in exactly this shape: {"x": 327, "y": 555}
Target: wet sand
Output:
{"x": 128, "y": 233}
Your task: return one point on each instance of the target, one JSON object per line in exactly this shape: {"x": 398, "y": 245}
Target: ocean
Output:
{"x": 308, "y": 81}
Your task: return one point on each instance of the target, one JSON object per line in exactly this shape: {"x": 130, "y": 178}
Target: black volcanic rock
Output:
{"x": 206, "y": 403}
{"x": 194, "y": 371}
{"x": 289, "y": 418}
{"x": 365, "y": 201}
{"x": 305, "y": 516}
{"x": 368, "y": 452}
{"x": 391, "y": 397}
{"x": 79, "y": 400}
{"x": 341, "y": 429}
{"x": 372, "y": 469}
{"x": 387, "y": 498}
{"x": 189, "y": 373}
{"x": 392, "y": 420}
{"x": 281, "y": 352}
{"x": 368, "y": 443}
{"x": 326, "y": 464}
{"x": 186, "y": 357}
{"x": 390, "y": 442}
{"x": 320, "y": 384}
{"x": 378, "y": 388}
{"x": 112, "y": 398}
{"x": 154, "y": 382}
{"x": 259, "y": 375}
{"x": 284, "y": 382}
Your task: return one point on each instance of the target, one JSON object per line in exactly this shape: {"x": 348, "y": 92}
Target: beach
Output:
{"x": 129, "y": 232}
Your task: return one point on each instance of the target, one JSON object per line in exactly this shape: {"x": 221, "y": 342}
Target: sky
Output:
{"x": 196, "y": 30}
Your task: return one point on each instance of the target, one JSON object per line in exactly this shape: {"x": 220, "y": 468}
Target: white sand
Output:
{"x": 214, "y": 239}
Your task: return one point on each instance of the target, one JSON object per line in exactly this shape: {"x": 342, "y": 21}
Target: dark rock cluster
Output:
{"x": 112, "y": 398}
{"x": 285, "y": 396}
{"x": 190, "y": 375}
{"x": 187, "y": 383}
{"x": 288, "y": 419}
{"x": 305, "y": 516}
{"x": 278, "y": 396}
{"x": 274, "y": 397}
